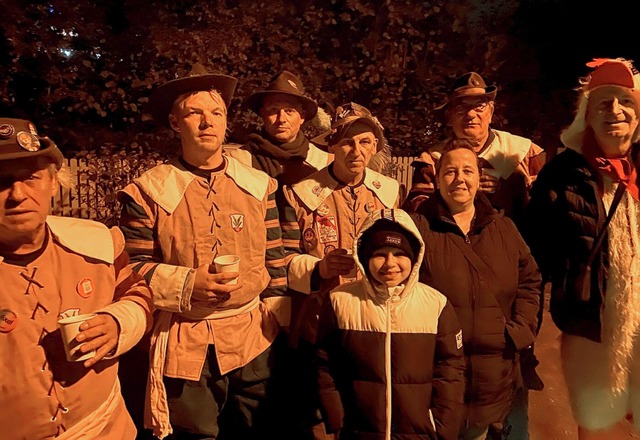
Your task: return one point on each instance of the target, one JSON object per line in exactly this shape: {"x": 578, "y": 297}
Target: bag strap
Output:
{"x": 600, "y": 238}
{"x": 583, "y": 280}
{"x": 481, "y": 267}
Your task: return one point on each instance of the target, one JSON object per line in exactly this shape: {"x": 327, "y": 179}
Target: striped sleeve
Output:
{"x": 274, "y": 253}
{"x": 171, "y": 285}
{"x": 291, "y": 234}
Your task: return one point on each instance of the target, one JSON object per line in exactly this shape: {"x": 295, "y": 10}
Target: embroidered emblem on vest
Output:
{"x": 316, "y": 190}
{"x": 237, "y": 222}
{"x": 376, "y": 184}
{"x": 328, "y": 230}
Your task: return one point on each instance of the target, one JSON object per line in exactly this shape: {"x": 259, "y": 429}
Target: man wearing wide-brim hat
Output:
{"x": 510, "y": 165}
{"x": 322, "y": 213}
{"x": 325, "y": 210}
{"x": 52, "y": 268}
{"x": 281, "y": 149}
{"x": 211, "y": 343}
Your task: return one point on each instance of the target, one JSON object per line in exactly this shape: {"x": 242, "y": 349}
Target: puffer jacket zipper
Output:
{"x": 387, "y": 366}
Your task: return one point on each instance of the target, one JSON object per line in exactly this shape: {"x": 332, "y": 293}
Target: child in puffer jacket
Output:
{"x": 389, "y": 358}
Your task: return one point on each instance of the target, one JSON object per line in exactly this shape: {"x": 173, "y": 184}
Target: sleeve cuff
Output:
{"x": 172, "y": 286}
{"x": 131, "y": 319}
{"x": 300, "y": 272}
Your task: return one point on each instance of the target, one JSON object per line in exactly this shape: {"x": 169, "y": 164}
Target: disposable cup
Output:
{"x": 227, "y": 263}
{"x": 69, "y": 329}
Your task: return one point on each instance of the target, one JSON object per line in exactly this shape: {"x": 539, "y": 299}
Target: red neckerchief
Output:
{"x": 618, "y": 168}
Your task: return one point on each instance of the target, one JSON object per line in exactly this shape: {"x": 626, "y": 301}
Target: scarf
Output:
{"x": 620, "y": 169}
{"x": 269, "y": 157}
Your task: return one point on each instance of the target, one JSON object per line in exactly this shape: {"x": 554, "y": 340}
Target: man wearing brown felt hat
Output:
{"x": 281, "y": 149}
{"x": 53, "y": 268}
{"x": 211, "y": 345}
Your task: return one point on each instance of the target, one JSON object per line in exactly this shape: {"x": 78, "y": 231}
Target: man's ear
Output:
{"x": 55, "y": 184}
{"x": 173, "y": 122}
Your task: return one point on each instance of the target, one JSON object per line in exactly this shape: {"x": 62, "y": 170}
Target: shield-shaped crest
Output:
{"x": 237, "y": 222}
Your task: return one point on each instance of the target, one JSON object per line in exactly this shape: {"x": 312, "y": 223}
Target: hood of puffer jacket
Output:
{"x": 402, "y": 219}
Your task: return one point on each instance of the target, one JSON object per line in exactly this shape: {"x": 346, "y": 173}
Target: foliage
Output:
{"x": 83, "y": 71}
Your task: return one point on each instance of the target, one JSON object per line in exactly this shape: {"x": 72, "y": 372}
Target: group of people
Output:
{"x": 348, "y": 317}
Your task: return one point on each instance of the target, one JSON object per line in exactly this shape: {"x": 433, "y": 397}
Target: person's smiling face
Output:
{"x": 458, "y": 178}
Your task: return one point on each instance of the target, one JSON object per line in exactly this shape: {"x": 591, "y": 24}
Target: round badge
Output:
{"x": 323, "y": 210}
{"x": 328, "y": 248}
{"x": 6, "y": 131}
{"x": 377, "y": 184}
{"x": 308, "y": 235}
{"x": 316, "y": 190}
{"x": 28, "y": 141}
{"x": 32, "y": 129}
{"x": 8, "y": 320}
{"x": 370, "y": 207}
{"x": 85, "y": 288}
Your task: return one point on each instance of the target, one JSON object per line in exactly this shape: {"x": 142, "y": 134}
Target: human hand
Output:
{"x": 335, "y": 263}
{"x": 100, "y": 334}
{"x": 489, "y": 183}
{"x": 210, "y": 288}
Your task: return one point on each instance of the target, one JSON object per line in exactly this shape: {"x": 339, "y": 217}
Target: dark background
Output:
{"x": 83, "y": 71}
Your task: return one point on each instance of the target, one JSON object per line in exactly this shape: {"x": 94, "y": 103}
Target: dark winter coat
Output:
{"x": 390, "y": 361}
{"x": 564, "y": 217}
{"x": 496, "y": 302}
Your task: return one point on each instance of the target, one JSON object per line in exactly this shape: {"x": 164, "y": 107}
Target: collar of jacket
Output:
{"x": 439, "y": 217}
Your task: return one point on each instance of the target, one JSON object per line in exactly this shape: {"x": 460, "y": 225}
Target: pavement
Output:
{"x": 550, "y": 415}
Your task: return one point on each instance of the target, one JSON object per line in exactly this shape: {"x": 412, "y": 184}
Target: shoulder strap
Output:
{"x": 583, "y": 281}
{"x": 614, "y": 205}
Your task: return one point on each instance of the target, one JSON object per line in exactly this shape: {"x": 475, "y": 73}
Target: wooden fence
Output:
{"x": 89, "y": 199}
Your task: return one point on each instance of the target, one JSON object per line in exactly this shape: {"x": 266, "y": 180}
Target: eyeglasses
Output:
{"x": 464, "y": 107}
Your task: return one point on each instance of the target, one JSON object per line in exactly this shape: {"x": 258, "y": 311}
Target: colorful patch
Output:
{"x": 6, "y": 131}
{"x": 85, "y": 288}
{"x": 309, "y": 235}
{"x": 370, "y": 207}
{"x": 329, "y": 248}
{"x": 323, "y": 210}
{"x": 459, "y": 340}
{"x": 327, "y": 229}
{"x": 376, "y": 184}
{"x": 28, "y": 141}
{"x": 237, "y": 222}
{"x": 8, "y": 321}
{"x": 316, "y": 190}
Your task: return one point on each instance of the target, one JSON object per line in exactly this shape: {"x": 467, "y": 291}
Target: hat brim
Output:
{"x": 323, "y": 141}
{"x": 162, "y": 98}
{"x": 254, "y": 102}
{"x": 489, "y": 92}
{"x": 49, "y": 149}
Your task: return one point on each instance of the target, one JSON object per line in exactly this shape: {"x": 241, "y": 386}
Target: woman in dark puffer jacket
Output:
{"x": 478, "y": 260}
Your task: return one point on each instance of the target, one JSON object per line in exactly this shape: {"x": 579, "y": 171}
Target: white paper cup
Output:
{"x": 69, "y": 329}
{"x": 227, "y": 263}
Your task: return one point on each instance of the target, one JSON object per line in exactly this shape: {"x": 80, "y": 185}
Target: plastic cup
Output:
{"x": 69, "y": 329}
{"x": 227, "y": 263}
